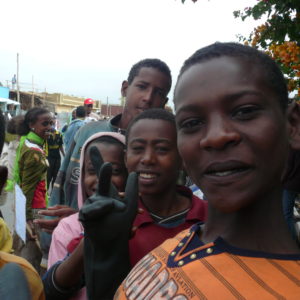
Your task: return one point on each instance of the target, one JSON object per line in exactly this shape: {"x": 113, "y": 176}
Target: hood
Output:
{"x": 115, "y": 135}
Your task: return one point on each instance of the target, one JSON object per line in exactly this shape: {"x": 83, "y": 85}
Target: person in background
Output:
{"x": 70, "y": 119}
{"x": 69, "y": 231}
{"x": 13, "y": 286}
{"x": 55, "y": 150}
{"x": 90, "y": 115}
{"x": 291, "y": 185}
{"x": 56, "y": 121}
{"x": 8, "y": 157}
{"x": 30, "y": 173}
{"x": 77, "y": 122}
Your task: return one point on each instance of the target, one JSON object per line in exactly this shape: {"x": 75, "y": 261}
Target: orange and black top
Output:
{"x": 185, "y": 268}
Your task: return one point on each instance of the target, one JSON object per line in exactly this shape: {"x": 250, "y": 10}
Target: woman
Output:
{"x": 30, "y": 170}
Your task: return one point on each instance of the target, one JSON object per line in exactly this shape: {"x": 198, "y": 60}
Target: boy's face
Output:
{"x": 110, "y": 153}
{"x": 232, "y": 134}
{"x": 152, "y": 153}
{"x": 88, "y": 108}
{"x": 148, "y": 89}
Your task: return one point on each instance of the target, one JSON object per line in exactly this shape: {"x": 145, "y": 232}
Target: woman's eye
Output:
{"x": 246, "y": 112}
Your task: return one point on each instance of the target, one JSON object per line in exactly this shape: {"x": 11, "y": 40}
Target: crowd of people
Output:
{"x": 116, "y": 217}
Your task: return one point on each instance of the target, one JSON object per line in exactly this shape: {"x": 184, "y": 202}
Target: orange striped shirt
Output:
{"x": 184, "y": 268}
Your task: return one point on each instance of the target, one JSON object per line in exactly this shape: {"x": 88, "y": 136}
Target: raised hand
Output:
{"x": 106, "y": 206}
{"x": 107, "y": 219}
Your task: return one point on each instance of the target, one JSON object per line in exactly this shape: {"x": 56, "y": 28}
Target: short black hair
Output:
{"x": 149, "y": 63}
{"x": 2, "y": 131}
{"x": 14, "y": 123}
{"x": 272, "y": 71}
{"x": 31, "y": 117}
{"x": 153, "y": 114}
{"x": 80, "y": 111}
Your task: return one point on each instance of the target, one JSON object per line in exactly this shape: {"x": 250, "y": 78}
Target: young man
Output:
{"x": 74, "y": 126}
{"x": 90, "y": 115}
{"x": 233, "y": 129}
{"x": 147, "y": 86}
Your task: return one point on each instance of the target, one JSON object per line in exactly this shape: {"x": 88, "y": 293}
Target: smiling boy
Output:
{"x": 233, "y": 130}
{"x": 147, "y": 86}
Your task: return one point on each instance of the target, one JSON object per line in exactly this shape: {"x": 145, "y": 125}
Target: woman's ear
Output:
{"x": 293, "y": 115}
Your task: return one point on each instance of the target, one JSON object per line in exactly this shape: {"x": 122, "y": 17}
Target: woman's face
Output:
{"x": 42, "y": 126}
{"x": 112, "y": 153}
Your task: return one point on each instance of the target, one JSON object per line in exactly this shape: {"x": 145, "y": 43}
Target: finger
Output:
{"x": 64, "y": 211}
{"x": 95, "y": 210}
{"x": 132, "y": 193}
{"x": 96, "y": 159}
{"x": 104, "y": 184}
{"x": 57, "y": 206}
{"x": 50, "y": 213}
{"x": 49, "y": 224}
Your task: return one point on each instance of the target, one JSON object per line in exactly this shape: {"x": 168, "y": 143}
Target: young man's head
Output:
{"x": 151, "y": 151}
{"x": 80, "y": 112}
{"x": 147, "y": 86}
{"x": 88, "y": 104}
{"x": 233, "y": 133}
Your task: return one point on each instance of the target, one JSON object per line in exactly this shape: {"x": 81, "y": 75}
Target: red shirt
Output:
{"x": 149, "y": 235}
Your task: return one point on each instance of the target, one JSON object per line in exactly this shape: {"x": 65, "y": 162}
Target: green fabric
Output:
{"x": 33, "y": 170}
{"x": 16, "y": 175}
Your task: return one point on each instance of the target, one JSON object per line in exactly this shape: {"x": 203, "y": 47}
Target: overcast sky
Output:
{"x": 86, "y": 48}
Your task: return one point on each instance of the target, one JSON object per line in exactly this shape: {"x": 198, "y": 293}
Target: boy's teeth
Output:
{"x": 145, "y": 175}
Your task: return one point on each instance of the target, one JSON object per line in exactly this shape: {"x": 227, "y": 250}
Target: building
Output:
{"x": 56, "y": 102}
{"x": 110, "y": 110}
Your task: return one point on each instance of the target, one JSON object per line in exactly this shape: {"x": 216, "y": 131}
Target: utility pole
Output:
{"x": 107, "y": 106}
{"x": 18, "y": 87}
{"x": 32, "y": 97}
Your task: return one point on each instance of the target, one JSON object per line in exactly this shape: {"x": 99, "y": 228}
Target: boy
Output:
{"x": 147, "y": 86}
{"x": 233, "y": 131}
{"x": 165, "y": 208}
